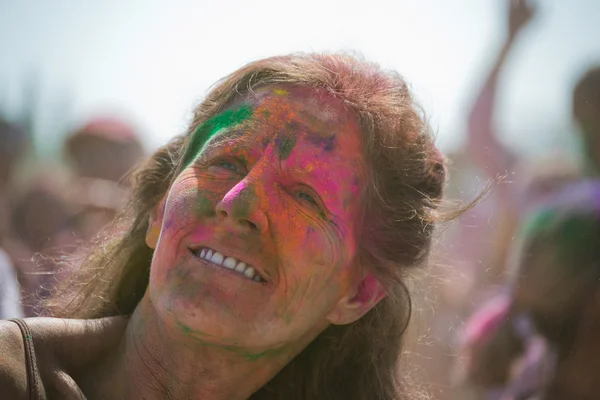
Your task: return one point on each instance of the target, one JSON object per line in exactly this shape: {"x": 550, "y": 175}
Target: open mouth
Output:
{"x": 228, "y": 262}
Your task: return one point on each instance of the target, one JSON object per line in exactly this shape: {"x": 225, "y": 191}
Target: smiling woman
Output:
{"x": 263, "y": 253}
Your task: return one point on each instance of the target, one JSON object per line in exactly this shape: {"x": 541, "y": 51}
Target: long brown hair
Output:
{"x": 406, "y": 177}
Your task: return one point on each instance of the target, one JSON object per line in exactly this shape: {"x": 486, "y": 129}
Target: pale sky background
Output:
{"x": 152, "y": 61}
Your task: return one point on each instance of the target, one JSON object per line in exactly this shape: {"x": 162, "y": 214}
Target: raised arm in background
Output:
{"x": 483, "y": 144}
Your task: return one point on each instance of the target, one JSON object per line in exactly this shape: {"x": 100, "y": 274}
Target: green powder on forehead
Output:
{"x": 208, "y": 129}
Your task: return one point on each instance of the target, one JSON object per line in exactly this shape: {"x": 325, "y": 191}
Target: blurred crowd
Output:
{"x": 509, "y": 310}
{"x": 58, "y": 210}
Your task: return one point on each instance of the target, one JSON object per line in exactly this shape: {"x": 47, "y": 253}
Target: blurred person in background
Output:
{"x": 540, "y": 339}
{"x": 533, "y": 181}
{"x": 586, "y": 110}
{"x": 474, "y": 255}
{"x": 13, "y": 142}
{"x": 462, "y": 273}
{"x": 497, "y": 161}
{"x": 53, "y": 217}
{"x": 101, "y": 153}
{"x": 42, "y": 232}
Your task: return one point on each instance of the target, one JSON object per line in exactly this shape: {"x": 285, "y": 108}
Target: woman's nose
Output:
{"x": 242, "y": 206}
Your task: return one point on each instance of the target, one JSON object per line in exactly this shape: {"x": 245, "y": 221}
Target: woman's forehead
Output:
{"x": 286, "y": 102}
{"x": 288, "y": 113}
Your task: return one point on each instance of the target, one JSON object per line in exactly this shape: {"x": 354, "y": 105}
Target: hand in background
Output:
{"x": 519, "y": 14}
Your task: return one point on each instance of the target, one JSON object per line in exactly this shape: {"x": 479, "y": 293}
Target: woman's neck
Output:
{"x": 156, "y": 362}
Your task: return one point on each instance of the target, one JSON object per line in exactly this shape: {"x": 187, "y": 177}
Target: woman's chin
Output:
{"x": 197, "y": 290}
{"x": 207, "y": 317}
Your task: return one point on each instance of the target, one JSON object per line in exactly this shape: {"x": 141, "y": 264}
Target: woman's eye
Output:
{"x": 227, "y": 165}
{"x": 307, "y": 197}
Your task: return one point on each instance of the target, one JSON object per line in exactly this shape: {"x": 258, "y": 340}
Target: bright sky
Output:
{"x": 152, "y": 62}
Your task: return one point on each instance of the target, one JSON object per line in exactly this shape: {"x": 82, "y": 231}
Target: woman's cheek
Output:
{"x": 190, "y": 201}
{"x": 321, "y": 246}
{"x": 313, "y": 280}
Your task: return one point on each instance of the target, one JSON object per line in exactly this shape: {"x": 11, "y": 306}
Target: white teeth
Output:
{"x": 241, "y": 267}
{"x": 249, "y": 272}
{"x": 229, "y": 262}
{"x": 217, "y": 258}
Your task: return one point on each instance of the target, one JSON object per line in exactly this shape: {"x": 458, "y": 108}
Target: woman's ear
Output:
{"x": 155, "y": 222}
{"x": 366, "y": 294}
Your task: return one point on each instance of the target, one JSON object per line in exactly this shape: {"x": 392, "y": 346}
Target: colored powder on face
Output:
{"x": 285, "y": 145}
{"x": 203, "y": 338}
{"x": 287, "y": 316}
{"x": 281, "y": 92}
{"x": 168, "y": 224}
{"x": 246, "y": 196}
{"x": 189, "y": 331}
{"x": 256, "y": 356}
{"x": 208, "y": 129}
{"x": 204, "y": 207}
{"x": 327, "y": 143}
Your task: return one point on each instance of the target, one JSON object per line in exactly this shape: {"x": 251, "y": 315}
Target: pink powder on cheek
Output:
{"x": 355, "y": 188}
{"x": 177, "y": 209}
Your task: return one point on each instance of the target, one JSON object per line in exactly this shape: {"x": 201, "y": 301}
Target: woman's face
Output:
{"x": 275, "y": 193}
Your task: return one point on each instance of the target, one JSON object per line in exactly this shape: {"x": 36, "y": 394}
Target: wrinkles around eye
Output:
{"x": 220, "y": 164}
{"x": 227, "y": 165}
{"x": 222, "y": 168}
{"x": 295, "y": 206}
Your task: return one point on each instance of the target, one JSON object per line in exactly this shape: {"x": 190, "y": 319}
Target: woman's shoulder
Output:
{"x": 74, "y": 342}
{"x": 59, "y": 345}
{"x": 13, "y": 372}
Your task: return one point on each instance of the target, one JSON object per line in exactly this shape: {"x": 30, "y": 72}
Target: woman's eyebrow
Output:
{"x": 231, "y": 135}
